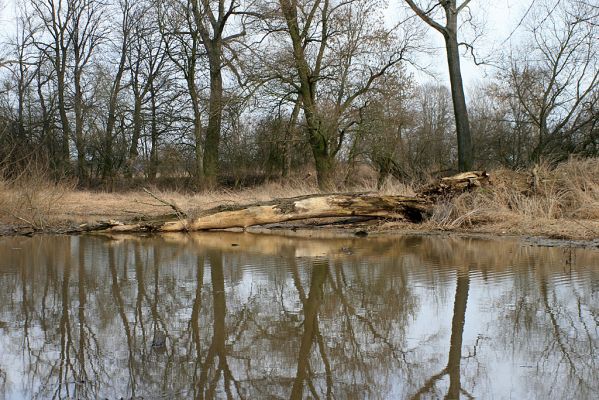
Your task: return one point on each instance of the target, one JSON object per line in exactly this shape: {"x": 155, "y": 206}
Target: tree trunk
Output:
{"x": 137, "y": 127}
{"x": 318, "y": 142}
{"x": 108, "y": 167}
{"x": 214, "y": 117}
{"x": 460, "y": 110}
{"x": 154, "y": 137}
{"x": 290, "y": 137}
{"x": 324, "y": 164}
{"x": 198, "y": 173}
{"x": 78, "y": 108}
{"x": 62, "y": 110}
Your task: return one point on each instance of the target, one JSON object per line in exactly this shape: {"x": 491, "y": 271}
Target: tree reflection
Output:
{"x": 178, "y": 317}
{"x": 311, "y": 305}
{"x": 215, "y": 365}
{"x": 454, "y": 359}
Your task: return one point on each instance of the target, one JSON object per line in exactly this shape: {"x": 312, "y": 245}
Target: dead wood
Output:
{"x": 406, "y": 208}
{"x": 180, "y": 213}
{"x": 412, "y": 209}
{"x": 456, "y": 184}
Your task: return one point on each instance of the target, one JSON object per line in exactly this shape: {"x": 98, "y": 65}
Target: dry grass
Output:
{"x": 558, "y": 202}
{"x": 555, "y": 202}
{"x": 31, "y": 198}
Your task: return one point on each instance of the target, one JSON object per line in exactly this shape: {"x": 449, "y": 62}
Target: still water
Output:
{"x": 225, "y": 315}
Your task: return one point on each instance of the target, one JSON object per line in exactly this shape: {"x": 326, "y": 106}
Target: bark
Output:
{"x": 290, "y": 137}
{"x": 154, "y": 137}
{"x": 197, "y": 125}
{"x": 282, "y": 210}
{"x": 79, "y": 140}
{"x": 450, "y": 34}
{"x": 214, "y": 116}
{"x": 137, "y": 127}
{"x": 325, "y": 164}
{"x": 460, "y": 110}
{"x": 60, "y": 66}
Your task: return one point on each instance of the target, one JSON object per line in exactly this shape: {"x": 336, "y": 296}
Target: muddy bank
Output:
{"x": 367, "y": 227}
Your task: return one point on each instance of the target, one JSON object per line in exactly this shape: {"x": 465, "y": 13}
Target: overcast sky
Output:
{"x": 497, "y": 18}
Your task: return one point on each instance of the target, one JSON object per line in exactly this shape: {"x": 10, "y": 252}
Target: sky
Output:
{"x": 498, "y": 19}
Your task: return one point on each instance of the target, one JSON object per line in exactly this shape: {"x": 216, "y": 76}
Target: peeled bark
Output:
{"x": 406, "y": 208}
{"x": 412, "y": 209}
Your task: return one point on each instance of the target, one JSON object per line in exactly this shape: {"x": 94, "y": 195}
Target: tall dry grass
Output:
{"x": 569, "y": 190}
{"x": 31, "y": 197}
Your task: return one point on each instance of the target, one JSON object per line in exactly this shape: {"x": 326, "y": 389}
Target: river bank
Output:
{"x": 560, "y": 203}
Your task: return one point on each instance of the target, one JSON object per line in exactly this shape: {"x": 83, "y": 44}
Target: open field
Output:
{"x": 560, "y": 202}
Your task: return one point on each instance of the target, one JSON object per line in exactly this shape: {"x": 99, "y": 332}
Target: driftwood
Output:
{"x": 412, "y": 209}
{"x": 406, "y": 208}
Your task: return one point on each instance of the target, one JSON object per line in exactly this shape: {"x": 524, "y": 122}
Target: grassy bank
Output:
{"x": 555, "y": 202}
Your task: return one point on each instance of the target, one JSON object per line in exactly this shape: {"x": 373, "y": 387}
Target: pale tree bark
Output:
{"x": 412, "y": 209}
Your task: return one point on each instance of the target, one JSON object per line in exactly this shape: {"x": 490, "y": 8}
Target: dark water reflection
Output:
{"x": 226, "y": 315}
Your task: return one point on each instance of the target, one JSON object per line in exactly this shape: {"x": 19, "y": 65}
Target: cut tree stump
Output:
{"x": 406, "y": 208}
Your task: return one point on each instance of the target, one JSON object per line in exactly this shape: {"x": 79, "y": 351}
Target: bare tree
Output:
{"x": 338, "y": 53}
{"x": 182, "y": 45}
{"x": 125, "y": 37}
{"x": 555, "y": 77}
{"x": 211, "y": 20}
{"x": 74, "y": 29}
{"x": 449, "y": 31}
{"x": 146, "y": 59}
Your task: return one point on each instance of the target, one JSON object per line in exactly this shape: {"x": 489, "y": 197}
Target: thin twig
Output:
{"x": 180, "y": 213}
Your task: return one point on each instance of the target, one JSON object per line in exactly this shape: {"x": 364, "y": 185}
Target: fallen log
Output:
{"x": 413, "y": 209}
{"x": 406, "y": 208}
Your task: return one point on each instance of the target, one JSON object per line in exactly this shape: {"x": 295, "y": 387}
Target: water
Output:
{"x": 247, "y": 316}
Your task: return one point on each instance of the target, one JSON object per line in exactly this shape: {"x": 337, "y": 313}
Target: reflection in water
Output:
{"x": 191, "y": 316}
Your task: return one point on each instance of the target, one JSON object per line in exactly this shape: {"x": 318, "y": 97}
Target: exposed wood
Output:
{"x": 407, "y": 208}
{"x": 316, "y": 206}
{"x": 457, "y": 184}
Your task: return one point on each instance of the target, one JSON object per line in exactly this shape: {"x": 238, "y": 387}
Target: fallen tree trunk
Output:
{"x": 406, "y": 208}
{"x": 412, "y": 209}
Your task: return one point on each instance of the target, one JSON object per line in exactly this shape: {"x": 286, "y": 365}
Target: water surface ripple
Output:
{"x": 228, "y": 315}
